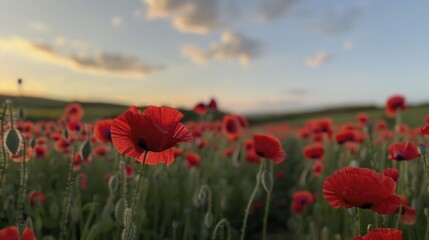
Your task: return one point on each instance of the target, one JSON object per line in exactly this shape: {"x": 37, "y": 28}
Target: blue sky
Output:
{"x": 253, "y": 56}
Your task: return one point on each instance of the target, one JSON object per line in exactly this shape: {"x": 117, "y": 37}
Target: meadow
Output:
{"x": 100, "y": 171}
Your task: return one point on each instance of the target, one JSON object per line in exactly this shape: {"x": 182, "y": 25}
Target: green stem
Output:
{"x": 249, "y": 203}
{"x": 399, "y": 216}
{"x": 221, "y": 224}
{"x": 427, "y": 229}
{"x": 88, "y": 221}
{"x": 359, "y": 223}
{"x": 68, "y": 193}
{"x": 4, "y": 160}
{"x": 267, "y": 203}
{"x": 426, "y": 167}
{"x": 22, "y": 184}
{"x": 136, "y": 194}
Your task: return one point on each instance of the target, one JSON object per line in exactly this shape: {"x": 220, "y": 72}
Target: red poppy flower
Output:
{"x": 12, "y": 233}
{"x": 313, "y": 152}
{"x": 74, "y": 111}
{"x": 381, "y": 125}
{"x": 231, "y": 126}
{"x": 82, "y": 179}
{"x": 403, "y": 151}
{"x": 177, "y": 152}
{"x": 36, "y": 198}
{"x": 101, "y": 150}
{"x": 257, "y": 206}
{"x": 192, "y": 159}
{"x": 382, "y": 234}
{"x": 129, "y": 170}
{"x": 252, "y": 157}
{"x": 242, "y": 121}
{"x": 363, "y": 118}
{"x": 62, "y": 145}
{"x": 280, "y": 174}
{"x": 212, "y": 105}
{"x": 41, "y": 140}
{"x": 248, "y": 144}
{"x": 317, "y": 168}
{"x": 155, "y": 131}
{"x": 362, "y": 188}
{"x": 201, "y": 143}
{"x": 268, "y": 146}
{"x": 200, "y": 109}
{"x": 408, "y": 215}
{"x": 102, "y": 130}
{"x": 391, "y": 172}
{"x": 394, "y": 103}
{"x": 74, "y": 125}
{"x": 40, "y": 151}
{"x": 301, "y": 200}
{"x": 345, "y": 136}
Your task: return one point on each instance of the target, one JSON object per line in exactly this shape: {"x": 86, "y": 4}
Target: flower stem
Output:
{"x": 4, "y": 156}
{"x": 68, "y": 196}
{"x": 267, "y": 204}
{"x": 426, "y": 167}
{"x": 249, "y": 203}
{"x": 22, "y": 184}
{"x": 135, "y": 198}
{"x": 359, "y": 223}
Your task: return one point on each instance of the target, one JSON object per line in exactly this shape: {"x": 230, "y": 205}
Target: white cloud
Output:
{"x": 195, "y": 16}
{"x": 102, "y": 63}
{"x": 116, "y": 21}
{"x": 318, "y": 59}
{"x": 39, "y": 26}
{"x": 231, "y": 46}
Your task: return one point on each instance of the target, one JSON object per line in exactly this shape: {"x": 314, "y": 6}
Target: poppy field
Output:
{"x": 146, "y": 174}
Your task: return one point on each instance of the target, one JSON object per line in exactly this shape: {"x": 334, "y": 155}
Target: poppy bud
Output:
{"x": 426, "y": 212}
{"x": 422, "y": 149}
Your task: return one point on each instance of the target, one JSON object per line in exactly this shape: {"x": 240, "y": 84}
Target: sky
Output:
{"x": 252, "y": 56}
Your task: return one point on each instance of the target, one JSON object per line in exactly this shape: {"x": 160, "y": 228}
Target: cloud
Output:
{"x": 274, "y": 9}
{"x": 337, "y": 21}
{"x": 232, "y": 45}
{"x": 319, "y": 59}
{"x": 116, "y": 21}
{"x": 38, "y": 26}
{"x": 194, "y": 16}
{"x": 102, "y": 63}
{"x": 348, "y": 45}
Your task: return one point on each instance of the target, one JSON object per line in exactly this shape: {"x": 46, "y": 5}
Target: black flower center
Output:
{"x": 399, "y": 156}
{"x": 366, "y": 205}
{"x": 142, "y": 144}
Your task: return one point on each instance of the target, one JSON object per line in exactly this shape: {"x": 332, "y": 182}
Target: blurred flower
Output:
{"x": 12, "y": 233}
{"x": 391, "y": 172}
{"x": 394, "y": 103}
{"x": 403, "y": 151}
{"x": 268, "y": 146}
{"x": 192, "y": 159}
{"x": 382, "y": 234}
{"x": 301, "y": 200}
{"x": 74, "y": 111}
{"x": 313, "y": 152}
{"x": 102, "y": 130}
{"x": 36, "y": 198}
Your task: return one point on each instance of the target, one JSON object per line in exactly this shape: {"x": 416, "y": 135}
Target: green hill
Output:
{"x": 49, "y": 109}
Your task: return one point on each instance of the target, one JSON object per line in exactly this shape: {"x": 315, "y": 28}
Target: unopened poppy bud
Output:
{"x": 369, "y": 227}
{"x": 426, "y": 212}
{"x": 368, "y": 129}
{"x": 337, "y": 236}
{"x": 175, "y": 224}
{"x": 324, "y": 234}
{"x": 354, "y": 163}
{"x": 21, "y": 224}
{"x": 422, "y": 149}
